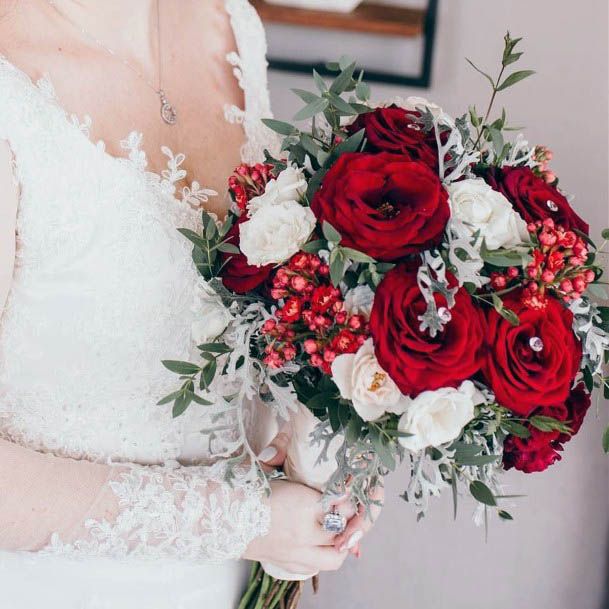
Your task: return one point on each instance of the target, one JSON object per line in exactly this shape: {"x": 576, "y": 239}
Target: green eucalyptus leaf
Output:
{"x": 482, "y": 493}
{"x": 181, "y": 367}
{"x": 505, "y": 515}
{"x": 169, "y": 398}
{"x": 516, "y": 429}
{"x": 473, "y": 65}
{"x": 228, "y": 248}
{"x": 306, "y": 96}
{"x": 357, "y": 256}
{"x": 343, "y": 80}
{"x": 312, "y": 247}
{"x": 215, "y": 347}
{"x": 341, "y": 105}
{"x": 280, "y": 127}
{"x": 319, "y": 82}
{"x": 606, "y": 440}
{"x": 330, "y": 233}
{"x": 311, "y": 109}
{"x": 514, "y": 78}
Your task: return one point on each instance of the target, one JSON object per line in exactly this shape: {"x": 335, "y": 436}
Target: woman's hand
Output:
{"x": 297, "y": 541}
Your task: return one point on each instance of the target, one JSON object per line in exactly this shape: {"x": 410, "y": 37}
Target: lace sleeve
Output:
{"x": 190, "y": 513}
{"x": 186, "y": 513}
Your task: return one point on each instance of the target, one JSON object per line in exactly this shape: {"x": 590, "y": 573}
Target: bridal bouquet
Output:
{"x": 416, "y": 286}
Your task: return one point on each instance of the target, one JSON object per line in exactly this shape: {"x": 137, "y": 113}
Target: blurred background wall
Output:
{"x": 554, "y": 555}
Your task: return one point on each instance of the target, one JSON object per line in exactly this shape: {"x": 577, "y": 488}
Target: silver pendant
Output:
{"x": 168, "y": 112}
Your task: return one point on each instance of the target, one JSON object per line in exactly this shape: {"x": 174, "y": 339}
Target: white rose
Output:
{"x": 480, "y": 208}
{"x": 359, "y": 301}
{"x": 290, "y": 185}
{"x": 213, "y": 316}
{"x": 360, "y": 378}
{"x": 437, "y": 417}
{"x": 275, "y": 233}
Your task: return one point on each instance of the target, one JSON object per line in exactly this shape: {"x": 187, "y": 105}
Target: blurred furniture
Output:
{"x": 368, "y": 18}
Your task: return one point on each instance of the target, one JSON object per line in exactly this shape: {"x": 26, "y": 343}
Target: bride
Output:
{"x": 105, "y": 500}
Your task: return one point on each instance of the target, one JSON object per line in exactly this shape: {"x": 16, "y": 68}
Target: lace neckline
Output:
{"x": 168, "y": 179}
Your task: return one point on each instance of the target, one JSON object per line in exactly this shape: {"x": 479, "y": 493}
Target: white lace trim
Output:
{"x": 189, "y": 514}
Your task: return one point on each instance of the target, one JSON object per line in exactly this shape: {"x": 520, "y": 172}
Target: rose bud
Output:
{"x": 513, "y": 272}
{"x": 566, "y": 286}
{"x": 590, "y": 276}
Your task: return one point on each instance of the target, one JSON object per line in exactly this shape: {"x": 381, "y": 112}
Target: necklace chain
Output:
{"x": 168, "y": 112}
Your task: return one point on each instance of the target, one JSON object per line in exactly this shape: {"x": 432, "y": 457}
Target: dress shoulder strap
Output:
{"x": 250, "y": 68}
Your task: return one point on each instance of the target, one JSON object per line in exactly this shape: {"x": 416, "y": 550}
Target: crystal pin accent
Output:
{"x": 551, "y": 205}
{"x": 444, "y": 314}
{"x": 536, "y": 344}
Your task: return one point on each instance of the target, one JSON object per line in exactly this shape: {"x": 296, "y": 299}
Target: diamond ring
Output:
{"x": 334, "y": 523}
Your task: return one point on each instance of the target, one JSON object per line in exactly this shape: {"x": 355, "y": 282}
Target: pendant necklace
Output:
{"x": 167, "y": 110}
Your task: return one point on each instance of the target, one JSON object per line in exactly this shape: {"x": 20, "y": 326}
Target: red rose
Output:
{"x": 383, "y": 204}
{"x": 533, "y": 198}
{"x": 533, "y": 454}
{"x": 577, "y": 406}
{"x": 414, "y": 360}
{"x": 237, "y": 274}
{"x": 532, "y": 364}
{"x": 395, "y": 130}
{"x": 541, "y": 449}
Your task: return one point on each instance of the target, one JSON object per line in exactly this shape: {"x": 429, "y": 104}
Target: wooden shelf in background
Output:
{"x": 368, "y": 17}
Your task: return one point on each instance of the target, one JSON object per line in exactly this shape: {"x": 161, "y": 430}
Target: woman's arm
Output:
{"x": 9, "y": 193}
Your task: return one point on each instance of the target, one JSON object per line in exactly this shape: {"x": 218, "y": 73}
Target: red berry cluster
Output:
{"x": 312, "y": 314}
{"x": 249, "y": 181}
{"x": 556, "y": 266}
{"x": 543, "y": 155}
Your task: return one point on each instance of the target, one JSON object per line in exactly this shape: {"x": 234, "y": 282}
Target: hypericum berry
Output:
{"x": 278, "y": 293}
{"x": 566, "y": 286}
{"x": 268, "y": 326}
{"x": 548, "y": 276}
{"x": 310, "y": 346}
{"x": 498, "y": 281}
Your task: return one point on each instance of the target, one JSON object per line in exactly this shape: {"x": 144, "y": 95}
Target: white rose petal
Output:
{"x": 480, "y": 208}
{"x": 360, "y": 378}
{"x": 359, "y": 301}
{"x": 275, "y": 233}
{"x": 437, "y": 417}
{"x": 290, "y": 185}
{"x": 213, "y": 316}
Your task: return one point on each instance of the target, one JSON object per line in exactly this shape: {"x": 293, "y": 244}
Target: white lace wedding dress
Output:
{"x": 104, "y": 288}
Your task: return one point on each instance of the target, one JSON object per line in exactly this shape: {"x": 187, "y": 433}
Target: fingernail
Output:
{"x": 267, "y": 454}
{"x": 354, "y": 539}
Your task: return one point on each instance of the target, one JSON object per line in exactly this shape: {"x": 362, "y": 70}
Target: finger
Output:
{"x": 361, "y": 523}
{"x": 323, "y": 558}
{"x": 275, "y": 453}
